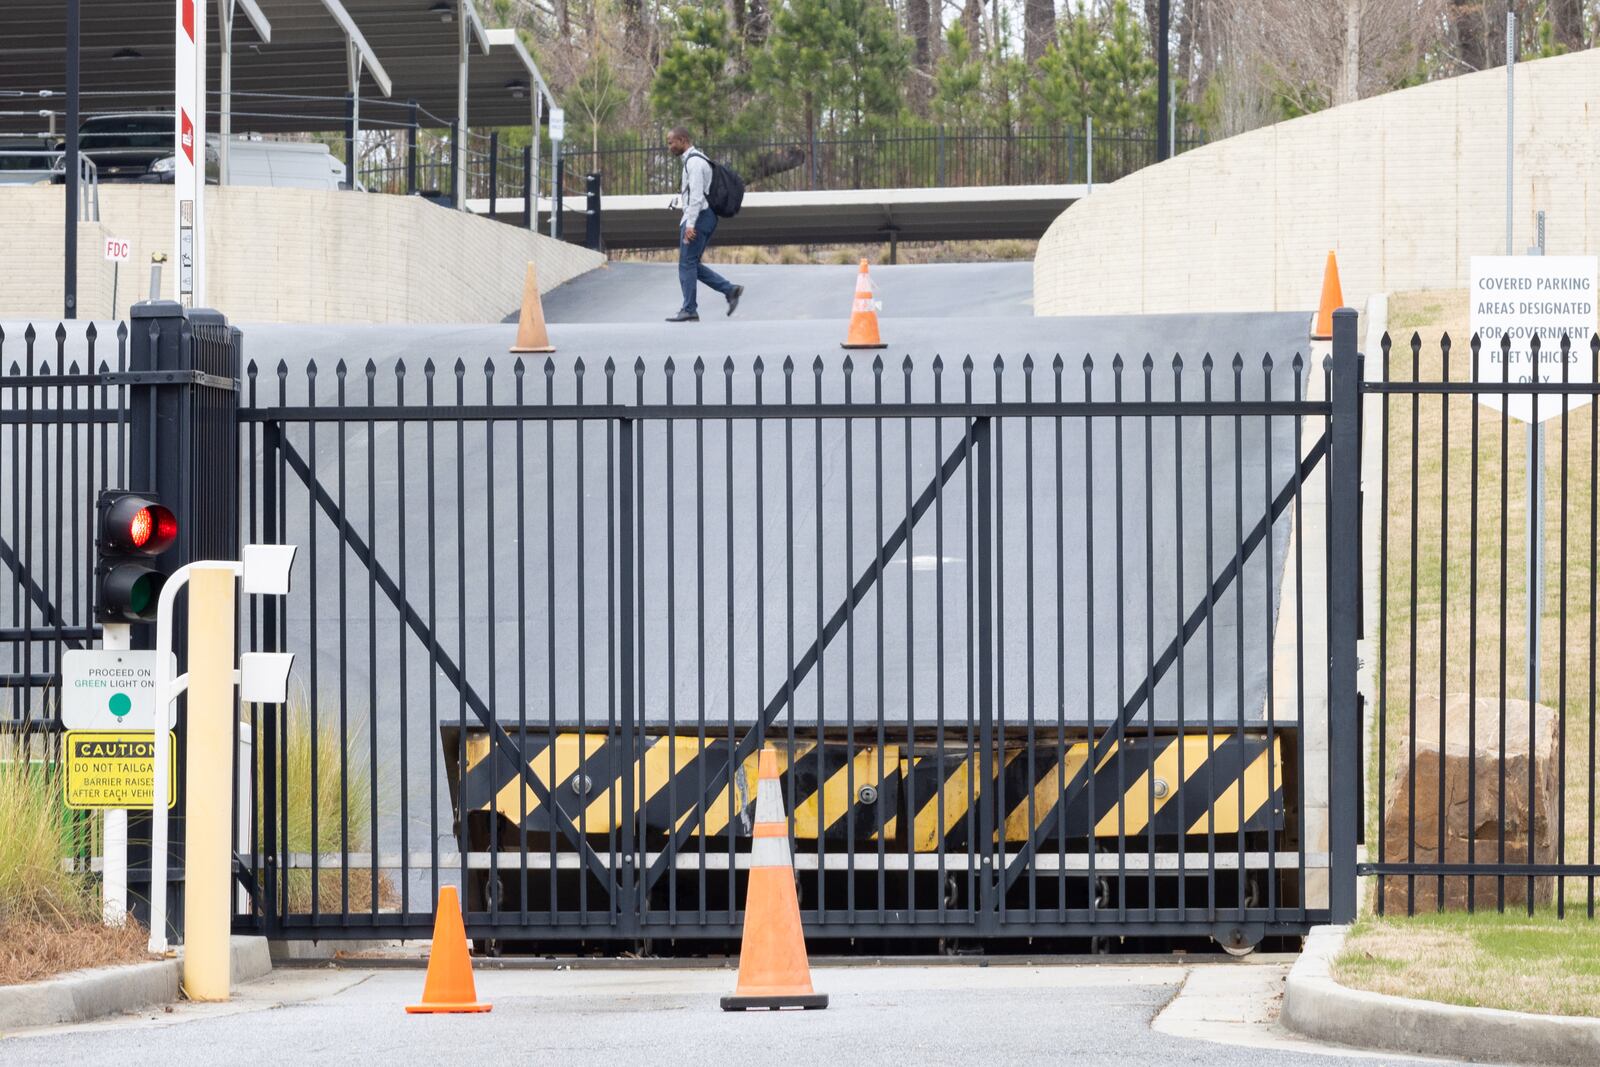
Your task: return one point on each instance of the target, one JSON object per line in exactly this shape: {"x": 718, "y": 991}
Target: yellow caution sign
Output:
{"x": 109, "y": 769}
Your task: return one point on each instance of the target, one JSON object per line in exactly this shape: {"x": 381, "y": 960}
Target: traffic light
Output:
{"x": 131, "y": 531}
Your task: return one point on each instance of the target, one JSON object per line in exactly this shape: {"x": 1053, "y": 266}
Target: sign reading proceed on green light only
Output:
{"x": 107, "y": 689}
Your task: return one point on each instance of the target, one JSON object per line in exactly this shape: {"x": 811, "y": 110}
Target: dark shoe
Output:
{"x": 733, "y": 298}
{"x": 684, "y": 316}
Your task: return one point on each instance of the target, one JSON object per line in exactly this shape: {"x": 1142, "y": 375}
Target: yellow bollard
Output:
{"x": 208, "y": 841}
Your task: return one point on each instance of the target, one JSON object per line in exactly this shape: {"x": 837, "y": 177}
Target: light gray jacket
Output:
{"x": 696, "y": 184}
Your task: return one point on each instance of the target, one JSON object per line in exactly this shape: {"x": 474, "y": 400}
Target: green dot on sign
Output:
{"x": 121, "y": 705}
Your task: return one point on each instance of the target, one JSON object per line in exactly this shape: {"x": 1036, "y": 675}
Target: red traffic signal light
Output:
{"x": 132, "y": 530}
{"x": 135, "y": 525}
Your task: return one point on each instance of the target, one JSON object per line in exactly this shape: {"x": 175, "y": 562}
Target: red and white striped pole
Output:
{"x": 189, "y": 129}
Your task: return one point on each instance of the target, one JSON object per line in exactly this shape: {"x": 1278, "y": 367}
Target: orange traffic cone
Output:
{"x": 449, "y": 987}
{"x": 531, "y": 333}
{"x": 863, "y": 315}
{"x": 773, "y": 969}
{"x": 1332, "y": 299}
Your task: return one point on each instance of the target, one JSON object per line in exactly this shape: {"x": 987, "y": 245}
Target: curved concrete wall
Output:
{"x": 1404, "y": 187}
{"x": 285, "y": 255}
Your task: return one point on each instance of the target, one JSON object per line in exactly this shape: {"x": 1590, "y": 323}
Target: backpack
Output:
{"x": 726, "y": 194}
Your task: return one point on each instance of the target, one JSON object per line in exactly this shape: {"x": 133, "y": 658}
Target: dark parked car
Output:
{"x": 26, "y": 160}
{"x": 136, "y": 147}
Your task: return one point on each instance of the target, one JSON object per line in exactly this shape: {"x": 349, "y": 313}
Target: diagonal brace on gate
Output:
{"x": 1141, "y": 696}
{"x": 499, "y": 739}
{"x": 808, "y": 661}
{"x": 35, "y": 592}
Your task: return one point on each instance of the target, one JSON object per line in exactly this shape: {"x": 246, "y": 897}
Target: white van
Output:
{"x": 283, "y": 165}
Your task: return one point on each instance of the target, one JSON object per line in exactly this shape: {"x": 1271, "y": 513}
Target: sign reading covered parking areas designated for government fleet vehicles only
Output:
{"x": 1522, "y": 297}
{"x": 110, "y": 769}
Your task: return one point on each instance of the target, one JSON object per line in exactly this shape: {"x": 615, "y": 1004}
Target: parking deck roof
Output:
{"x": 291, "y": 63}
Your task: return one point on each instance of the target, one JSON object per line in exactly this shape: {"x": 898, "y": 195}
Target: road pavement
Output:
{"x": 648, "y": 292}
{"x": 963, "y": 1015}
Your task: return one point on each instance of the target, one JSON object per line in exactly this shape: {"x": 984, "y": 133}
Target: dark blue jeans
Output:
{"x": 690, "y": 269}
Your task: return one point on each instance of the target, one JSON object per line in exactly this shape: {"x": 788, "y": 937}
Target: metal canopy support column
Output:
{"x": 225, "y": 105}
{"x": 70, "y": 251}
{"x": 226, "y": 9}
{"x": 457, "y": 186}
{"x": 352, "y": 137}
{"x": 539, "y": 92}
{"x": 353, "y": 35}
{"x": 1163, "y": 81}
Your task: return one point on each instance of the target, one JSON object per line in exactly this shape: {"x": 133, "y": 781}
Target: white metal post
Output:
{"x": 189, "y": 155}
{"x": 266, "y": 572}
{"x": 117, "y": 637}
{"x": 167, "y": 690}
{"x": 225, "y": 107}
{"x": 1535, "y": 573}
{"x": 1511, "y": 94}
{"x": 558, "y": 131}
{"x": 533, "y": 179}
{"x": 1088, "y": 150}
{"x": 462, "y": 130}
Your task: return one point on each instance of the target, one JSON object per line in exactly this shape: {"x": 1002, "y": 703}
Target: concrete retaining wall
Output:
{"x": 285, "y": 255}
{"x": 1404, "y": 186}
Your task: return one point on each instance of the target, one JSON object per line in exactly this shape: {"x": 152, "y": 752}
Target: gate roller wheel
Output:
{"x": 1237, "y": 940}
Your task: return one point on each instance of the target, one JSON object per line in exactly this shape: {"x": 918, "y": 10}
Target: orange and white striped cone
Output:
{"x": 864, "y": 314}
{"x": 1332, "y": 299}
{"x": 773, "y": 969}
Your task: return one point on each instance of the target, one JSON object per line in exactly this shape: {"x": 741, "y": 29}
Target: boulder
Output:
{"x": 1472, "y": 755}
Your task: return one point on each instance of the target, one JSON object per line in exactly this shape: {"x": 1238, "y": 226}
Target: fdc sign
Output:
{"x": 1522, "y": 297}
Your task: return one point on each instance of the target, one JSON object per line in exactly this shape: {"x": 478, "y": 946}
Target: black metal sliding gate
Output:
{"x": 1059, "y": 651}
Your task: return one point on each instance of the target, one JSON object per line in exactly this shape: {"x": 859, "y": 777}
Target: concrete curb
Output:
{"x": 84, "y": 995}
{"x": 1318, "y": 1007}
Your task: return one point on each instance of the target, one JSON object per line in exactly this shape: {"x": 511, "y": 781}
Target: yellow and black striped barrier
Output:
{"x": 1168, "y": 785}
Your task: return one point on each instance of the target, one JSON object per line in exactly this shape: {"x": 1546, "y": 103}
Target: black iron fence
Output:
{"x": 901, "y": 158}
{"x": 1486, "y": 544}
{"x": 150, "y": 405}
{"x": 63, "y": 437}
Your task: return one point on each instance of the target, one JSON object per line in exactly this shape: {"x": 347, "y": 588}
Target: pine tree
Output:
{"x": 876, "y": 63}
{"x": 1096, "y": 67}
{"x": 1066, "y": 80}
{"x": 958, "y": 81}
{"x": 696, "y": 82}
{"x": 1127, "y": 85}
{"x": 840, "y": 64}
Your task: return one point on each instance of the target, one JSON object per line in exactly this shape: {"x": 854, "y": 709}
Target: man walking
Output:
{"x": 699, "y": 222}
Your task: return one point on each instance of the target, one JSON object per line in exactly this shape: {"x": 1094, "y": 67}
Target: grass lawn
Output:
{"x": 1439, "y": 580}
{"x": 1543, "y": 964}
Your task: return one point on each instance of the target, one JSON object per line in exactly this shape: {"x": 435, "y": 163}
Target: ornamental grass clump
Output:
{"x": 49, "y": 902}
